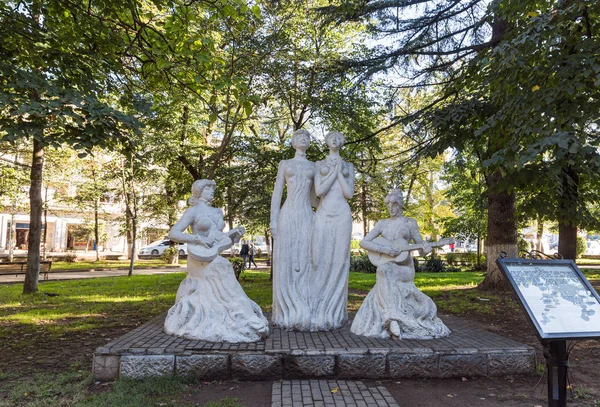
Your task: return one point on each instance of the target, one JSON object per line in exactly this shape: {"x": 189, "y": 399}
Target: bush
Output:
{"x": 238, "y": 266}
{"x": 170, "y": 253}
{"x": 451, "y": 258}
{"x": 523, "y": 244}
{"x": 361, "y": 263}
{"x": 581, "y": 246}
{"x": 433, "y": 265}
{"x": 70, "y": 256}
{"x": 416, "y": 264}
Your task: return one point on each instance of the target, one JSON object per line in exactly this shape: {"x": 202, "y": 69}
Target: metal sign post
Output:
{"x": 557, "y": 363}
{"x": 561, "y": 305}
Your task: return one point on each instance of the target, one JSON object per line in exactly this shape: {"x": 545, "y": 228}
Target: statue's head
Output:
{"x": 335, "y": 140}
{"x": 301, "y": 139}
{"x": 394, "y": 201}
{"x": 202, "y": 190}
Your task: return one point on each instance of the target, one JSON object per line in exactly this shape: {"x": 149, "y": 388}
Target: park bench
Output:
{"x": 20, "y": 267}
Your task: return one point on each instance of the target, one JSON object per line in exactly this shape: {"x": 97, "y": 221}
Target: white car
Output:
{"x": 158, "y": 248}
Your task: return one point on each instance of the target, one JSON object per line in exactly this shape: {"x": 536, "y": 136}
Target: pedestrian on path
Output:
{"x": 244, "y": 251}
{"x": 251, "y": 253}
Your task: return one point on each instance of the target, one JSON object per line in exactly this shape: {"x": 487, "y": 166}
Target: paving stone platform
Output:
{"x": 326, "y": 393}
{"x": 468, "y": 351}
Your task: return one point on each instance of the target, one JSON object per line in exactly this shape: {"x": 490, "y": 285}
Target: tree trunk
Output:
{"x": 45, "y": 235}
{"x": 268, "y": 243}
{"x": 13, "y": 235}
{"x": 134, "y": 234}
{"x": 174, "y": 258}
{"x": 539, "y": 236}
{"x": 502, "y": 232}
{"x": 363, "y": 205}
{"x": 35, "y": 220}
{"x": 129, "y": 226}
{"x": 478, "y": 252}
{"x": 96, "y": 231}
{"x": 567, "y": 231}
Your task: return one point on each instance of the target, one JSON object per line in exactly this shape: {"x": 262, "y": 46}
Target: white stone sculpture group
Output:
{"x": 311, "y": 256}
{"x": 311, "y": 261}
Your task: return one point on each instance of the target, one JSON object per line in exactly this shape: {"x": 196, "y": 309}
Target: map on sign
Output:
{"x": 558, "y": 298}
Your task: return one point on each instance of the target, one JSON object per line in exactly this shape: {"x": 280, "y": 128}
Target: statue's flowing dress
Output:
{"x": 291, "y": 252}
{"x": 211, "y": 305}
{"x": 330, "y": 260}
{"x": 396, "y": 298}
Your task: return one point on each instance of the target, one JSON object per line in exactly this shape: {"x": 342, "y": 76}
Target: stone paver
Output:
{"x": 466, "y": 338}
{"x": 468, "y": 351}
{"x": 326, "y": 393}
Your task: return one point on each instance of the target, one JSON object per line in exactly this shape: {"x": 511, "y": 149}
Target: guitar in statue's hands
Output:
{"x": 220, "y": 241}
{"x": 402, "y": 246}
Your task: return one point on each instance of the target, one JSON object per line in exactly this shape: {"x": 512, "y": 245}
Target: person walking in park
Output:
{"x": 251, "y": 253}
{"x": 244, "y": 251}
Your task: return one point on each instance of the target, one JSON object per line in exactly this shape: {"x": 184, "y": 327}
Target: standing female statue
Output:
{"x": 291, "y": 228}
{"x": 330, "y": 247}
{"x": 211, "y": 305}
{"x": 395, "y": 307}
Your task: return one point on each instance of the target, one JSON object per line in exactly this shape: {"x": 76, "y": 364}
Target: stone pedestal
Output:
{"x": 468, "y": 351}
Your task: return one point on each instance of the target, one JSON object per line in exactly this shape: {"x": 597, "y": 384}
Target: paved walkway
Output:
{"x": 329, "y": 393}
{"x": 74, "y": 275}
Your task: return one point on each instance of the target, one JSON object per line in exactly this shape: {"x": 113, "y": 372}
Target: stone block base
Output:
{"x": 147, "y": 352}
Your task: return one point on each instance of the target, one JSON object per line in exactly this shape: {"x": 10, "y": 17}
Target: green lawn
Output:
{"x": 47, "y": 338}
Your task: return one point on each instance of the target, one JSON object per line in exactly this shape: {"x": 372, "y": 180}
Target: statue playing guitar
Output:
{"x": 395, "y": 307}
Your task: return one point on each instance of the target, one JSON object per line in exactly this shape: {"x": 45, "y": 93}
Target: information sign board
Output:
{"x": 560, "y": 302}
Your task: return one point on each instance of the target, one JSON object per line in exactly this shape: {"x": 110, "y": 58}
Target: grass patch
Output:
{"x": 83, "y": 314}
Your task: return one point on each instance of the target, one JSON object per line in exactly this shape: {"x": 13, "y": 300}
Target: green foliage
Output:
{"x": 581, "y": 246}
{"x": 238, "y": 266}
{"x": 435, "y": 265}
{"x": 523, "y": 244}
{"x": 450, "y": 258}
{"x": 467, "y": 194}
{"x": 361, "y": 264}
{"x": 170, "y": 253}
{"x": 54, "y": 88}
{"x": 432, "y": 265}
{"x": 70, "y": 257}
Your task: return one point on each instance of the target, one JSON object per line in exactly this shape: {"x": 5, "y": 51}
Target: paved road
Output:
{"x": 73, "y": 275}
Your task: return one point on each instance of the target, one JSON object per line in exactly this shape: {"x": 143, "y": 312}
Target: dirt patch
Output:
{"x": 249, "y": 394}
{"x": 31, "y": 350}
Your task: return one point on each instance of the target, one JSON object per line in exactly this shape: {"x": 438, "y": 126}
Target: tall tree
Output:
{"x": 489, "y": 61}
{"x": 57, "y": 61}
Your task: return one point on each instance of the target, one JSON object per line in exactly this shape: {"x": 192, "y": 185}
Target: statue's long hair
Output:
{"x": 197, "y": 189}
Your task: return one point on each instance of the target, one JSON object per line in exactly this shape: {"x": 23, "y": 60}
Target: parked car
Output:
{"x": 158, "y": 248}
